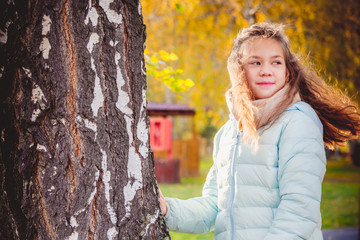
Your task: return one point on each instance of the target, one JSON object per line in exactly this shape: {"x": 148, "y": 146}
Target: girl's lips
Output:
{"x": 266, "y": 83}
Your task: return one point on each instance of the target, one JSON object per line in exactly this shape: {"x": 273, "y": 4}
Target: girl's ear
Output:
{"x": 287, "y": 75}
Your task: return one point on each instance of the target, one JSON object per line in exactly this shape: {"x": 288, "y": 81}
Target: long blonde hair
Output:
{"x": 339, "y": 115}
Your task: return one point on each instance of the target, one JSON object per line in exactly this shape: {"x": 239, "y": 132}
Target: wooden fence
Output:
{"x": 187, "y": 151}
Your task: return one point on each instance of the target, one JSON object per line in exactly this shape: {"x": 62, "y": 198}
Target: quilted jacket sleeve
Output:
{"x": 301, "y": 170}
{"x": 195, "y": 215}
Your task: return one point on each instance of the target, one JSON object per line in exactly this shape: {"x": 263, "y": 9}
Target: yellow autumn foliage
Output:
{"x": 201, "y": 32}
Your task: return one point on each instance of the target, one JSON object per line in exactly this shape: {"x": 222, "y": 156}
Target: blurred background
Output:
{"x": 188, "y": 43}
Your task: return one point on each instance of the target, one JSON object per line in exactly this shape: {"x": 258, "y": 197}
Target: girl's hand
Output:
{"x": 163, "y": 205}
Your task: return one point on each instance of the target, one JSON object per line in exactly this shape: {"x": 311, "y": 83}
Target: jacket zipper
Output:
{"x": 233, "y": 188}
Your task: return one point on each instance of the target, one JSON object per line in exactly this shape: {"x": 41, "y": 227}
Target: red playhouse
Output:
{"x": 174, "y": 158}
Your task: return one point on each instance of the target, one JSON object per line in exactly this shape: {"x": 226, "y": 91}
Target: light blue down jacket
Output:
{"x": 273, "y": 193}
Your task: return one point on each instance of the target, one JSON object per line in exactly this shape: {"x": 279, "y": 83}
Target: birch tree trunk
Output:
{"x": 75, "y": 160}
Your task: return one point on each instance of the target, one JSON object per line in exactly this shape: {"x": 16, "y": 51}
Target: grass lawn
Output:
{"x": 187, "y": 188}
{"x": 340, "y": 196}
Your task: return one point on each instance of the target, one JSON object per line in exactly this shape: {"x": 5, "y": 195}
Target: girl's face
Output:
{"x": 264, "y": 66}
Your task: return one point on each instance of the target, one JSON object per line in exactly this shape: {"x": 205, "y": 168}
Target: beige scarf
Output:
{"x": 268, "y": 109}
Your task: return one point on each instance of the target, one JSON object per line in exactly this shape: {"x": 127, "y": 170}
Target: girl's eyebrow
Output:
{"x": 258, "y": 57}
{"x": 277, "y": 56}
{"x": 254, "y": 57}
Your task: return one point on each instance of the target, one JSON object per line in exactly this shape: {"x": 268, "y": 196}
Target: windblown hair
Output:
{"x": 339, "y": 115}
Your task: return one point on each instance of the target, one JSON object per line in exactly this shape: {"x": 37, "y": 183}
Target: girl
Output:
{"x": 269, "y": 159}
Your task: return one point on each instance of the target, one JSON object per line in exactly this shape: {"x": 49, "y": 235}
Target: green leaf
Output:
{"x": 189, "y": 83}
{"x": 179, "y": 8}
{"x": 158, "y": 68}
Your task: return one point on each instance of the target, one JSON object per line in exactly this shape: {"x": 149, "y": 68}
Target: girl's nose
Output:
{"x": 265, "y": 70}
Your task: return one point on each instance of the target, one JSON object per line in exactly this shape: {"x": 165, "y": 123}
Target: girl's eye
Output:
{"x": 255, "y": 63}
{"x": 277, "y": 62}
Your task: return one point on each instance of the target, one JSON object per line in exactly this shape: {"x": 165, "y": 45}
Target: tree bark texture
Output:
{"x": 75, "y": 154}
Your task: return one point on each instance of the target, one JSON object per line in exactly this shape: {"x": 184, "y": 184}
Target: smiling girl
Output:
{"x": 269, "y": 159}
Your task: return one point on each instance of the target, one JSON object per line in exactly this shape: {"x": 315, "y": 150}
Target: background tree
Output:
{"x": 75, "y": 160}
{"x": 330, "y": 32}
